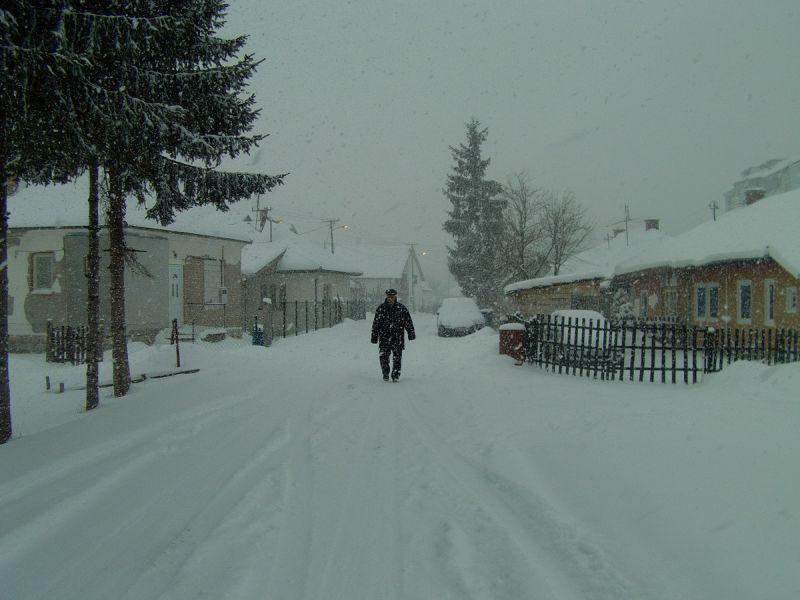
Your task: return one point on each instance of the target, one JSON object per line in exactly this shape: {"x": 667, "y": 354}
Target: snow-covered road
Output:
{"x": 295, "y": 472}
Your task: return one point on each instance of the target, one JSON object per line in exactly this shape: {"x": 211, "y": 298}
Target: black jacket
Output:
{"x": 389, "y": 325}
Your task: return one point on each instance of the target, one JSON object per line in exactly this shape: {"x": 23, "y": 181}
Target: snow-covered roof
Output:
{"x": 66, "y": 206}
{"x": 379, "y": 262}
{"x": 768, "y": 168}
{"x": 296, "y": 254}
{"x": 767, "y": 228}
{"x": 599, "y": 262}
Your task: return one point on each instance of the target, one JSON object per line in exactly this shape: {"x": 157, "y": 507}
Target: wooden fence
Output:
{"x": 653, "y": 351}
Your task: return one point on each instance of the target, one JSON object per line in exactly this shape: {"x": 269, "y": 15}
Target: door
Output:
{"x": 176, "y": 293}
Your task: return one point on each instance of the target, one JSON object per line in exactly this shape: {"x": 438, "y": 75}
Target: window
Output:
{"x": 43, "y": 272}
{"x": 701, "y": 302}
{"x": 707, "y": 303}
{"x": 745, "y": 301}
{"x": 713, "y": 301}
{"x": 212, "y": 281}
{"x": 791, "y": 300}
{"x": 769, "y": 301}
{"x": 671, "y": 302}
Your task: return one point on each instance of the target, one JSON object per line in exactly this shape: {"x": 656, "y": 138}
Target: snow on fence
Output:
{"x": 651, "y": 351}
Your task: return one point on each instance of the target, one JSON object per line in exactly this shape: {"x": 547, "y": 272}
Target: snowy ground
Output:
{"x": 295, "y": 472}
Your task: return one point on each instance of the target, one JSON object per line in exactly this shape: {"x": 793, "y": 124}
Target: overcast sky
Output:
{"x": 652, "y": 103}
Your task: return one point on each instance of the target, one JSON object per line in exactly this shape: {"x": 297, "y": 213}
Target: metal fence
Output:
{"x": 648, "y": 351}
{"x": 296, "y": 317}
{"x": 67, "y": 344}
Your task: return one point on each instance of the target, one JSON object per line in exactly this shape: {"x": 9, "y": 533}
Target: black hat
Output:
{"x": 391, "y": 292}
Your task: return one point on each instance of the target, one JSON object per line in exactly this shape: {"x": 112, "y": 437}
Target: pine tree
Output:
{"x": 476, "y": 221}
{"x": 35, "y": 146}
{"x": 162, "y": 114}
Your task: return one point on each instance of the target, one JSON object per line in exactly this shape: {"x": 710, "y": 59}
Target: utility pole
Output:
{"x": 714, "y": 208}
{"x": 627, "y": 218}
{"x": 263, "y": 217}
{"x": 411, "y": 299}
{"x": 331, "y": 223}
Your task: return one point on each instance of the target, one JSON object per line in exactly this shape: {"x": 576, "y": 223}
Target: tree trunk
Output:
{"x": 116, "y": 235}
{"x": 5, "y": 386}
{"x": 94, "y": 345}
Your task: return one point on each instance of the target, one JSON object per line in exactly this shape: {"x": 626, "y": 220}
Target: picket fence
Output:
{"x": 648, "y": 351}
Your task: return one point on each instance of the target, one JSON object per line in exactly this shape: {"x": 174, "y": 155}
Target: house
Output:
{"x": 742, "y": 270}
{"x": 774, "y": 176}
{"x": 584, "y": 282}
{"x": 294, "y": 284}
{"x": 189, "y": 271}
{"x": 387, "y": 267}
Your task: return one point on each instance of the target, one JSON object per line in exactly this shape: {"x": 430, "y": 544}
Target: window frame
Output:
{"x": 700, "y": 291}
{"x": 790, "y": 293}
{"x": 671, "y": 301}
{"x": 739, "y": 317}
{"x": 706, "y": 288}
{"x": 715, "y": 316}
{"x": 769, "y": 284}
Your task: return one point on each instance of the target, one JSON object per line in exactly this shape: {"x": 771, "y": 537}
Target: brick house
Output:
{"x": 584, "y": 281}
{"x": 189, "y": 271}
{"x": 742, "y": 270}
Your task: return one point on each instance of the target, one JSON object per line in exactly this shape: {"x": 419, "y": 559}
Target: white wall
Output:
{"x": 39, "y": 240}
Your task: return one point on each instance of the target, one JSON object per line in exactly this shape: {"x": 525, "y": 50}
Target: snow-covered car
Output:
{"x": 458, "y": 317}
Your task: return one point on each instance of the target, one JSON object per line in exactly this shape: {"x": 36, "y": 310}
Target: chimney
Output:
{"x": 651, "y": 224}
{"x": 752, "y": 196}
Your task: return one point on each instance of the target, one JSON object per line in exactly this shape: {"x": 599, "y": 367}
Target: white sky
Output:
{"x": 656, "y": 104}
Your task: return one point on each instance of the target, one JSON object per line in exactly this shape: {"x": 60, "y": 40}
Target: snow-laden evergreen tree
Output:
{"x": 161, "y": 113}
{"x": 621, "y": 307}
{"x": 475, "y": 221}
{"x": 35, "y": 145}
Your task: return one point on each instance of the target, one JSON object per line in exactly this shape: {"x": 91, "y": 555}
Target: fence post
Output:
{"x": 48, "y": 350}
{"x": 708, "y": 345}
{"x": 177, "y": 343}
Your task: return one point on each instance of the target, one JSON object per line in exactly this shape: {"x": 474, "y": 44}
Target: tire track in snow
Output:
{"x": 75, "y": 462}
{"x": 568, "y": 563}
{"x": 25, "y": 535}
{"x": 289, "y": 569}
{"x": 363, "y": 554}
{"x": 240, "y": 500}
{"x": 341, "y": 531}
{"x": 95, "y": 509}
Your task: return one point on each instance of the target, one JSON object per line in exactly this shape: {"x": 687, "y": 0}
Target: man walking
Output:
{"x": 392, "y": 320}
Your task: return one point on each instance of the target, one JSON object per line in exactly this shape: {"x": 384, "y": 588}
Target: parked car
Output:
{"x": 458, "y": 317}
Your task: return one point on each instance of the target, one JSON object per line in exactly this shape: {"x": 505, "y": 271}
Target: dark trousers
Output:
{"x": 384, "y": 359}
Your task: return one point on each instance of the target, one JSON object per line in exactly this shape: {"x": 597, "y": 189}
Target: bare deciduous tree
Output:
{"x": 525, "y": 255}
{"x": 565, "y": 225}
